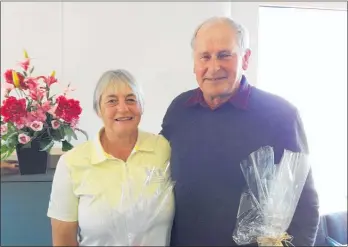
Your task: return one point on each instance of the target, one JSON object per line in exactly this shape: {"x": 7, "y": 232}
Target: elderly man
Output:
{"x": 211, "y": 129}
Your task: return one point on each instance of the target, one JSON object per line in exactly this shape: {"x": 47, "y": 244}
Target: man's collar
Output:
{"x": 239, "y": 100}
{"x": 144, "y": 144}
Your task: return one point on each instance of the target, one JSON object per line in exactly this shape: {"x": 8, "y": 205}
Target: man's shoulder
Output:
{"x": 182, "y": 98}
{"x": 270, "y": 102}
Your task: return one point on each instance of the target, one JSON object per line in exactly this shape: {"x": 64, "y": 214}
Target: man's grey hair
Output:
{"x": 241, "y": 31}
{"x": 114, "y": 78}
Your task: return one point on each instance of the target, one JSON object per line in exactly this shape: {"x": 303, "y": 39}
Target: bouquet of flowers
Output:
{"x": 268, "y": 204}
{"x": 30, "y": 113}
{"x": 142, "y": 207}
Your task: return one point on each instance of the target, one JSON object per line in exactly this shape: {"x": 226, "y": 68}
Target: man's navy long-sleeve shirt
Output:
{"x": 207, "y": 148}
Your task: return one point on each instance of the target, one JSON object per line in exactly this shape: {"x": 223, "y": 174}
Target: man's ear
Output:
{"x": 246, "y": 57}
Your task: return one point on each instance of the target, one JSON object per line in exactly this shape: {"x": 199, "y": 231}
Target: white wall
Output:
{"x": 81, "y": 40}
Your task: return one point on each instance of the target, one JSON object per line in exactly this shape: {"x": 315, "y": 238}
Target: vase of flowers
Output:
{"x": 33, "y": 120}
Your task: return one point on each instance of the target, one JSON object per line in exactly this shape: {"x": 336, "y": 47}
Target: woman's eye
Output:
{"x": 131, "y": 100}
{"x": 112, "y": 101}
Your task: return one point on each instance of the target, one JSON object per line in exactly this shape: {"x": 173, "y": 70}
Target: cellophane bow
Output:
{"x": 268, "y": 204}
{"x": 141, "y": 208}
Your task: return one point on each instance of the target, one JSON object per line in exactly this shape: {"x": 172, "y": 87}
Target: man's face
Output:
{"x": 218, "y": 60}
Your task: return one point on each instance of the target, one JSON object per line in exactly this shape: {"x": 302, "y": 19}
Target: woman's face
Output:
{"x": 120, "y": 110}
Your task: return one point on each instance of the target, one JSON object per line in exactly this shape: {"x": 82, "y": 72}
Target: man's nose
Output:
{"x": 214, "y": 65}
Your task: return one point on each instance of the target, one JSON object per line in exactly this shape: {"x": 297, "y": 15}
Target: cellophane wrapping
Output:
{"x": 140, "y": 209}
{"x": 269, "y": 202}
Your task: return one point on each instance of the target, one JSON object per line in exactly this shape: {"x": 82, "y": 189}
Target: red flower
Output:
{"x": 13, "y": 110}
{"x": 9, "y": 79}
{"x": 68, "y": 109}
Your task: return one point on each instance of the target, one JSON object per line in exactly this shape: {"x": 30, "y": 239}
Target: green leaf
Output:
{"x": 66, "y": 146}
{"x": 11, "y": 126}
{"x": 44, "y": 142}
{"x": 36, "y": 134}
{"x": 3, "y": 148}
{"x": 51, "y": 97}
{"x": 83, "y": 132}
{"x": 6, "y": 151}
{"x": 30, "y": 102}
{"x": 69, "y": 132}
{"x": 31, "y": 70}
{"x": 48, "y": 146}
{"x": 12, "y": 140}
{"x": 25, "y": 73}
{"x": 10, "y": 131}
{"x": 57, "y": 134}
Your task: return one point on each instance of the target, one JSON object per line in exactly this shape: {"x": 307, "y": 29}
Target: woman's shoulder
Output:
{"x": 152, "y": 140}
{"x": 80, "y": 153}
{"x": 155, "y": 146}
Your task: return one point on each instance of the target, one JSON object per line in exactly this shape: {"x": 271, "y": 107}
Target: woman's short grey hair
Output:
{"x": 242, "y": 32}
{"x": 114, "y": 78}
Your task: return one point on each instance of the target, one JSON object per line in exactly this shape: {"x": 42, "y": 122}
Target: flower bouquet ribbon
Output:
{"x": 271, "y": 241}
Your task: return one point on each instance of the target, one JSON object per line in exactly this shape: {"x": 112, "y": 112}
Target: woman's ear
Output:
{"x": 99, "y": 113}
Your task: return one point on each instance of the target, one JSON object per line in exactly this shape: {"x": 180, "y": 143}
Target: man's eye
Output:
{"x": 131, "y": 100}
{"x": 224, "y": 55}
{"x": 205, "y": 57}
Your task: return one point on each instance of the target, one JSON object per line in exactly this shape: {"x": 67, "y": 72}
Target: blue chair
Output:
{"x": 332, "y": 230}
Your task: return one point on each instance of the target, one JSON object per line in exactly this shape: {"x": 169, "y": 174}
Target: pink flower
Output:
{"x": 38, "y": 115}
{"x": 52, "y": 110}
{"x": 6, "y": 88}
{"x": 20, "y": 124}
{"x": 68, "y": 89}
{"x": 32, "y": 83}
{"x": 23, "y": 138}
{"x": 25, "y": 64}
{"x": 37, "y": 94}
{"x": 49, "y": 80}
{"x": 36, "y": 125}
{"x": 35, "y": 91}
{"x": 4, "y": 129}
{"x": 55, "y": 124}
{"x": 46, "y": 106}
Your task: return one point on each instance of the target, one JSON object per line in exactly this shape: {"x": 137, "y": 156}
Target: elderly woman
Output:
{"x": 97, "y": 183}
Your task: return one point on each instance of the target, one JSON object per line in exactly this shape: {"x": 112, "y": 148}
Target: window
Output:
{"x": 303, "y": 58}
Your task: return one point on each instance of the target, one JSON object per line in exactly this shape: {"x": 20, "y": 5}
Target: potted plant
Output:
{"x": 33, "y": 120}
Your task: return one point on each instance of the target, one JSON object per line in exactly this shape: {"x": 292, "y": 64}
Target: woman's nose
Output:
{"x": 122, "y": 106}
